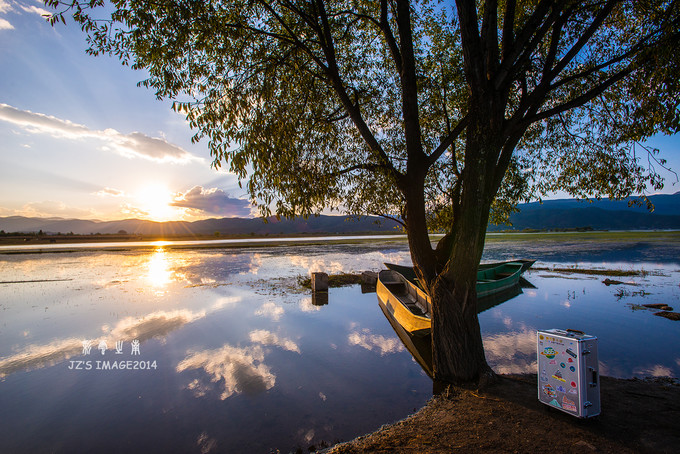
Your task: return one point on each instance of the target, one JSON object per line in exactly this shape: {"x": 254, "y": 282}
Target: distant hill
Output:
{"x": 602, "y": 214}
{"x": 226, "y": 226}
{"x": 551, "y": 214}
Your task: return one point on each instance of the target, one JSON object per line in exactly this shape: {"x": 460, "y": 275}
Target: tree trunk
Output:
{"x": 458, "y": 350}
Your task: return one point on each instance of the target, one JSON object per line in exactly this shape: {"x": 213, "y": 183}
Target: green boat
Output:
{"x": 491, "y": 277}
{"x": 400, "y": 295}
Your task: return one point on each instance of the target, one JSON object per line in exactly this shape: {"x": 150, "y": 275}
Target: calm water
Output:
{"x": 238, "y": 359}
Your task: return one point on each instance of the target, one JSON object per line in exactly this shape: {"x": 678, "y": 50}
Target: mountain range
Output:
{"x": 602, "y": 214}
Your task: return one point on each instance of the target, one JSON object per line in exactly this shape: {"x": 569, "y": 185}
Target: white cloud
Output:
{"x": 133, "y": 145}
{"x": 231, "y": 370}
{"x": 110, "y": 192}
{"x": 156, "y": 324}
{"x": 5, "y": 6}
{"x": 264, "y": 337}
{"x": 35, "y": 10}
{"x": 5, "y": 25}
{"x": 39, "y": 356}
{"x": 376, "y": 342}
{"x": 270, "y": 310}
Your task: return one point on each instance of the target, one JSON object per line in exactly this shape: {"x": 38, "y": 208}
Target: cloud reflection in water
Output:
{"x": 513, "y": 352}
{"x": 231, "y": 370}
{"x": 375, "y": 342}
{"x": 264, "y": 337}
{"x": 156, "y": 324}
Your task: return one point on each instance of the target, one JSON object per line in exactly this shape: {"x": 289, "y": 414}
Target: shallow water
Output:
{"x": 246, "y": 362}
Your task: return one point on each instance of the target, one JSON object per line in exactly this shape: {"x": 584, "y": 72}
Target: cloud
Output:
{"x": 133, "y": 145}
{"x": 35, "y": 10}
{"x": 156, "y": 324}
{"x": 231, "y": 370}
{"x": 213, "y": 201}
{"x": 109, "y": 192}
{"x": 51, "y": 208}
{"x": 658, "y": 370}
{"x": 513, "y": 352}
{"x": 5, "y": 25}
{"x": 270, "y": 310}
{"x": 5, "y": 6}
{"x": 264, "y": 337}
{"x": 376, "y": 342}
{"x": 38, "y": 356}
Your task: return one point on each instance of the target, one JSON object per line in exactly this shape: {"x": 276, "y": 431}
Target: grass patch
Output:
{"x": 334, "y": 280}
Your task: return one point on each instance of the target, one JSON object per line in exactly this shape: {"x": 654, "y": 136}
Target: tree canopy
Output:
{"x": 435, "y": 113}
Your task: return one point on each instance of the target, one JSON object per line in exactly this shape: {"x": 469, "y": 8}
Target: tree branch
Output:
{"x": 446, "y": 143}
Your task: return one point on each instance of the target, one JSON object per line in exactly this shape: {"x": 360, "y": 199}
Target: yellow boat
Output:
{"x": 407, "y": 303}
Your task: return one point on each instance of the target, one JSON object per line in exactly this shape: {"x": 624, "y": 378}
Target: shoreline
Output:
{"x": 637, "y": 416}
{"x": 47, "y": 244}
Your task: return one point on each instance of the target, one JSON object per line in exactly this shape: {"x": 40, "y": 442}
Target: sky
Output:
{"x": 79, "y": 139}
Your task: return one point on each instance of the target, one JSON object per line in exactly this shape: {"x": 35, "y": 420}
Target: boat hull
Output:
{"x": 393, "y": 302}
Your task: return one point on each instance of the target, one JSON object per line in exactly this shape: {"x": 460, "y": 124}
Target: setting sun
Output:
{"x": 155, "y": 200}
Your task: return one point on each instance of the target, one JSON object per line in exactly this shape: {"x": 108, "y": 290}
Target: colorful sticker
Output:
{"x": 573, "y": 391}
{"x": 553, "y": 362}
{"x": 544, "y": 376}
{"x": 549, "y": 391}
{"x": 555, "y": 403}
{"x": 549, "y": 352}
{"x": 558, "y": 376}
{"x": 562, "y": 365}
{"x": 561, "y": 389}
{"x": 573, "y": 384}
{"x": 541, "y": 337}
{"x": 572, "y": 368}
{"x": 570, "y": 353}
{"x": 568, "y": 405}
{"x": 569, "y": 360}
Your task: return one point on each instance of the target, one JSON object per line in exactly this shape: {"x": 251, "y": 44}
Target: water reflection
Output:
{"x": 159, "y": 273}
{"x": 154, "y": 325}
{"x": 270, "y": 310}
{"x": 230, "y": 326}
{"x": 230, "y": 370}
{"x": 375, "y": 342}
{"x": 264, "y": 337}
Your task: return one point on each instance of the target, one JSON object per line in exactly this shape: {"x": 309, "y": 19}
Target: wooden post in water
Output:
{"x": 319, "y": 282}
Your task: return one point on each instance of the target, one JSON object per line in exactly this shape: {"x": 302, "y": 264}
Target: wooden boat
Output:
{"x": 488, "y": 274}
{"x": 404, "y": 301}
{"x": 402, "y": 297}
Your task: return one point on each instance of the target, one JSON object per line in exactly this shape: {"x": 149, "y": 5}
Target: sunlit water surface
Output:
{"x": 234, "y": 357}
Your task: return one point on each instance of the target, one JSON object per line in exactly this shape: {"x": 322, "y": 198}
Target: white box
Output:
{"x": 568, "y": 371}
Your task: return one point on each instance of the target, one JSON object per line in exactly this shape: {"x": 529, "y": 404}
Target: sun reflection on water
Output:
{"x": 159, "y": 272}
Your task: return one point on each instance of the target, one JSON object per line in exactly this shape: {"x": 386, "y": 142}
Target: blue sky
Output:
{"x": 79, "y": 139}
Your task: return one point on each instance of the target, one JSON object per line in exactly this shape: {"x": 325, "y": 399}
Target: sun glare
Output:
{"x": 155, "y": 200}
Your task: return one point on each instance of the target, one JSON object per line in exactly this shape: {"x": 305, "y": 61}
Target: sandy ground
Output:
{"x": 637, "y": 416}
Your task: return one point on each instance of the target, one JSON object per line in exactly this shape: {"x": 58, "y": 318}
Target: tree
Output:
{"x": 442, "y": 116}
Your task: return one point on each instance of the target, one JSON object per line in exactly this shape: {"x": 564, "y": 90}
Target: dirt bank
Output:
{"x": 637, "y": 416}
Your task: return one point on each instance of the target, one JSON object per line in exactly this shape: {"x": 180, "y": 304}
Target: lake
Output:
{"x": 219, "y": 350}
